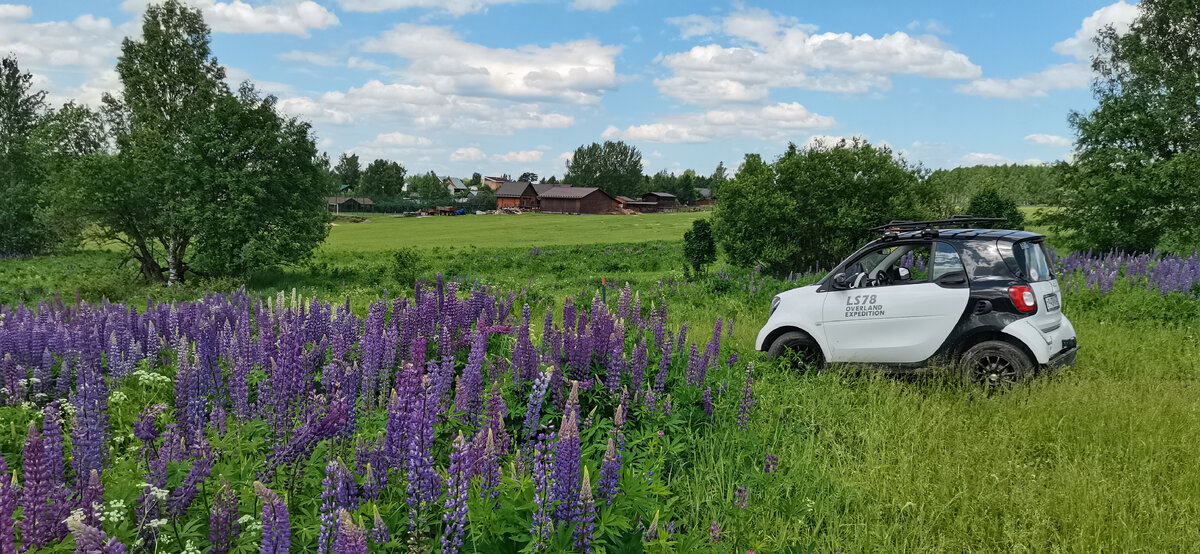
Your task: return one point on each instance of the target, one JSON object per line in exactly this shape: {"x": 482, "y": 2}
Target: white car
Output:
{"x": 984, "y": 299}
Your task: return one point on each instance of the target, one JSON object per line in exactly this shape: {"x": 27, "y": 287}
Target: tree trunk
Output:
{"x": 175, "y": 250}
{"x": 151, "y": 271}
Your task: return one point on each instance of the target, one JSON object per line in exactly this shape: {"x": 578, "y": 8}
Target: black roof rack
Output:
{"x": 929, "y": 228}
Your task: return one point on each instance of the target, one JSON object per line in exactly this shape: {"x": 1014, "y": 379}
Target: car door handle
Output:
{"x": 953, "y": 279}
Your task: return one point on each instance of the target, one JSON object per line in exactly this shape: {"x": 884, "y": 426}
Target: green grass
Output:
{"x": 386, "y": 232}
{"x": 1098, "y": 457}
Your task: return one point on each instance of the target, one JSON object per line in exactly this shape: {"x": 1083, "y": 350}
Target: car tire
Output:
{"x": 995, "y": 364}
{"x": 796, "y": 351}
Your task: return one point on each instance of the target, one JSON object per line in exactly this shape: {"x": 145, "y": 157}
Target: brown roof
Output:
{"x": 539, "y": 188}
{"x": 512, "y": 189}
{"x": 625, "y": 199}
{"x": 662, "y": 194}
{"x": 343, "y": 199}
{"x": 569, "y": 192}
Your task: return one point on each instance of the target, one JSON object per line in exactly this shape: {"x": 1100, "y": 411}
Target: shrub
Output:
{"x": 407, "y": 265}
{"x": 699, "y": 249}
{"x": 990, "y": 203}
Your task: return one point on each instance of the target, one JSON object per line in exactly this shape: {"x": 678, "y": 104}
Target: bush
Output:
{"x": 813, "y": 206}
{"x": 699, "y": 249}
{"x": 407, "y": 265}
{"x": 990, "y": 203}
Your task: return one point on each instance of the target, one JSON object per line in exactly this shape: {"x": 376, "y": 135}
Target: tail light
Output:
{"x": 1023, "y": 298}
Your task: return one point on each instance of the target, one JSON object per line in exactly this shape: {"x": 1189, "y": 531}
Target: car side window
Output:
{"x": 945, "y": 261}
{"x": 896, "y": 265}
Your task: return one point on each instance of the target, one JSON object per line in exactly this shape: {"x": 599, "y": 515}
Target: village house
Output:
{"x": 338, "y": 204}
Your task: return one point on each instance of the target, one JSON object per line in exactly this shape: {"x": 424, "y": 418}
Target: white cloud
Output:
{"x": 1073, "y": 75}
{"x": 827, "y": 142}
{"x": 470, "y": 154}
{"x": 1081, "y": 46}
{"x": 580, "y": 71}
{"x": 933, "y": 27}
{"x": 86, "y": 42}
{"x": 595, "y": 5}
{"x": 1048, "y": 140}
{"x": 234, "y": 77}
{"x": 311, "y": 110}
{"x": 454, "y": 7}
{"x": 315, "y": 58}
{"x": 399, "y": 140}
{"x": 981, "y": 158}
{"x": 284, "y": 16}
{"x": 1036, "y": 85}
{"x": 566, "y": 157}
{"x": 15, "y": 11}
{"x": 772, "y": 122}
{"x": 524, "y": 156}
{"x": 770, "y": 51}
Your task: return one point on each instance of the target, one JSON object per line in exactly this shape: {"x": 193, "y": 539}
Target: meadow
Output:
{"x": 1097, "y": 457}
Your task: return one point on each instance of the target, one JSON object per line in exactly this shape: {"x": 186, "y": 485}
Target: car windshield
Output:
{"x": 1032, "y": 261}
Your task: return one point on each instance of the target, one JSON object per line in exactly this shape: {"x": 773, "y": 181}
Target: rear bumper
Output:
{"x": 1066, "y": 357}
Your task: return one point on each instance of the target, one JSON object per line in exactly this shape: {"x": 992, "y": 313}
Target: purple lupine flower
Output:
{"x": 771, "y": 464}
{"x": 322, "y": 422}
{"x": 693, "y": 366}
{"x": 537, "y": 395}
{"x": 9, "y": 496}
{"x": 92, "y": 540}
{"x": 585, "y": 516}
{"x": 494, "y": 413}
{"x": 181, "y": 498}
{"x": 91, "y": 499}
{"x": 276, "y": 525}
{"x": 489, "y": 465}
{"x": 470, "y": 384}
{"x": 457, "y": 487}
{"x": 424, "y": 483}
{"x": 610, "y": 473}
{"x": 747, "y": 401}
{"x": 91, "y": 418}
{"x": 339, "y": 493}
{"x": 145, "y": 429}
{"x": 372, "y": 484}
{"x": 543, "y": 525}
{"x": 637, "y": 366}
{"x": 714, "y": 532}
{"x": 741, "y": 497}
{"x": 707, "y": 401}
{"x": 566, "y": 468}
{"x": 38, "y": 524}
{"x": 223, "y": 526}
{"x": 52, "y": 436}
{"x": 350, "y": 537}
{"x": 733, "y": 358}
{"x": 379, "y": 533}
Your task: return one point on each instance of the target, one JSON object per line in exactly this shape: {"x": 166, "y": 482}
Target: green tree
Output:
{"x": 990, "y": 203}
{"x": 1132, "y": 185}
{"x": 382, "y": 178}
{"x": 718, "y": 178}
{"x": 528, "y": 177}
{"x": 476, "y": 181}
{"x": 614, "y": 167}
{"x": 699, "y": 249}
{"x": 428, "y": 187}
{"x": 331, "y": 183}
{"x": 348, "y": 170}
{"x": 811, "y": 208}
{"x": 23, "y": 230}
{"x": 552, "y": 180}
{"x": 204, "y": 180}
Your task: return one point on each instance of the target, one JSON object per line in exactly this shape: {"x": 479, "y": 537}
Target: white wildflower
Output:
{"x": 191, "y": 548}
{"x": 117, "y": 397}
{"x": 156, "y": 523}
{"x": 75, "y": 518}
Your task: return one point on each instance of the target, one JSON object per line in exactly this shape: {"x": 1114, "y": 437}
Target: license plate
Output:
{"x": 1052, "y": 302}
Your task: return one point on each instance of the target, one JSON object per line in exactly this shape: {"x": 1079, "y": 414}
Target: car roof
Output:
{"x": 963, "y": 234}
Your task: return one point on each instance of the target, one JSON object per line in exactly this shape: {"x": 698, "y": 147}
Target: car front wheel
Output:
{"x": 995, "y": 363}
{"x": 796, "y": 351}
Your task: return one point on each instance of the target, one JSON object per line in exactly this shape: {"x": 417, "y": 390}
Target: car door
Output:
{"x": 902, "y": 320}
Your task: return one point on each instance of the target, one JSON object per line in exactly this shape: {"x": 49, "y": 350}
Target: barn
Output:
{"x": 577, "y": 200}
{"x": 339, "y": 204}
{"x": 663, "y": 200}
{"x": 517, "y": 194}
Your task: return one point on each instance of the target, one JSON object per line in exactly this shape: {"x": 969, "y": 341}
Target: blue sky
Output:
{"x": 506, "y": 86}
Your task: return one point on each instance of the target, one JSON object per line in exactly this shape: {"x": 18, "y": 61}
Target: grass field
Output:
{"x": 1095, "y": 458}
{"x": 386, "y": 232}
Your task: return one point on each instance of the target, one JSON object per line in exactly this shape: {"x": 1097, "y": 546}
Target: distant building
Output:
{"x": 577, "y": 200}
{"x": 454, "y": 185}
{"x": 517, "y": 194}
{"x": 704, "y": 197}
{"x": 495, "y": 183}
{"x": 654, "y": 202}
{"x": 337, "y": 204}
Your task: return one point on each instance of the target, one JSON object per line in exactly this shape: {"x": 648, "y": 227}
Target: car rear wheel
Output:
{"x": 995, "y": 364}
{"x": 796, "y": 351}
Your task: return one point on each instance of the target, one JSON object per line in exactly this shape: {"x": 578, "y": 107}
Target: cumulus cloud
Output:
{"x": 982, "y": 158}
{"x": 1072, "y": 75}
{"x": 288, "y": 16}
{"x": 594, "y": 5}
{"x": 399, "y": 140}
{"x": 768, "y": 51}
{"x": 580, "y": 71}
{"x": 86, "y": 42}
{"x": 324, "y": 59}
{"x": 772, "y": 122}
{"x": 470, "y": 154}
{"x": 453, "y": 7}
{"x": 524, "y": 156}
{"x": 1048, "y": 140}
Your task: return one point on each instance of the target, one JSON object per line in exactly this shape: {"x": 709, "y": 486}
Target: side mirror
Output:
{"x": 841, "y": 281}
{"x": 903, "y": 274}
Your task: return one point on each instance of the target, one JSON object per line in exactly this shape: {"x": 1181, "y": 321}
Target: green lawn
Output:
{"x": 385, "y": 232}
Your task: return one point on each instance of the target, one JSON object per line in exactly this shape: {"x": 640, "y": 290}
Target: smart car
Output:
{"x": 930, "y": 293}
